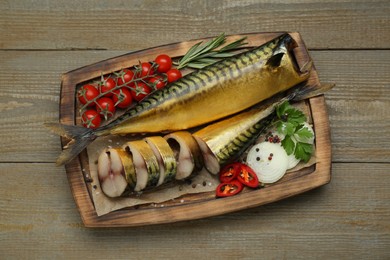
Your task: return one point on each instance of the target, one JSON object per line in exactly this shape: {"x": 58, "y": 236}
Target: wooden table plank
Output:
{"x": 30, "y": 87}
{"x": 348, "y": 218}
{"x": 358, "y": 105}
{"x": 29, "y": 96}
{"x": 137, "y": 24}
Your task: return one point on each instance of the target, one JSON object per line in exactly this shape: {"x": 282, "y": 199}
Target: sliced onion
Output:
{"x": 292, "y": 161}
{"x": 269, "y": 161}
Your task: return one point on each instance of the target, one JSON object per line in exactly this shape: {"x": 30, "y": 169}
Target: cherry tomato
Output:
{"x": 122, "y": 98}
{"x": 229, "y": 172}
{"x": 164, "y": 63}
{"x": 173, "y": 75}
{"x": 140, "y": 91}
{"x": 107, "y": 85}
{"x": 125, "y": 76}
{"x": 227, "y": 189}
{"x": 105, "y": 107}
{"x": 146, "y": 69}
{"x": 247, "y": 176}
{"x": 87, "y": 93}
{"x": 157, "y": 82}
{"x": 91, "y": 119}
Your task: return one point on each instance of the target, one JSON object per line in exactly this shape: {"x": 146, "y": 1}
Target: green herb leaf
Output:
{"x": 290, "y": 123}
{"x": 197, "y": 65}
{"x": 295, "y": 116}
{"x": 206, "y": 60}
{"x": 303, "y": 134}
{"x": 287, "y": 128}
{"x": 288, "y": 144}
{"x": 286, "y": 112}
{"x": 234, "y": 45}
{"x": 191, "y": 51}
{"x": 196, "y": 55}
{"x": 221, "y": 55}
{"x": 303, "y": 151}
{"x": 281, "y": 109}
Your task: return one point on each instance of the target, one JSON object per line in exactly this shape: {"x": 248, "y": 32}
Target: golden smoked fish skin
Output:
{"x": 226, "y": 139}
{"x": 203, "y": 96}
{"x": 217, "y": 91}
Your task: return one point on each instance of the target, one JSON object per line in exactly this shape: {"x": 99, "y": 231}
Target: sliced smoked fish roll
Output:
{"x": 145, "y": 163}
{"x": 165, "y": 156}
{"x": 187, "y": 153}
{"x": 111, "y": 173}
{"x": 128, "y": 167}
{"x": 211, "y": 162}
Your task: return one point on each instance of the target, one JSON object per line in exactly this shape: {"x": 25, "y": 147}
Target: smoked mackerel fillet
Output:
{"x": 219, "y": 90}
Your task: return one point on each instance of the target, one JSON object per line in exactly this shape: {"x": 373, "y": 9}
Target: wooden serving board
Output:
{"x": 199, "y": 205}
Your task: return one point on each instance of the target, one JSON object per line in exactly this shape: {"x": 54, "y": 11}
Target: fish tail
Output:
{"x": 81, "y": 138}
{"x": 309, "y": 91}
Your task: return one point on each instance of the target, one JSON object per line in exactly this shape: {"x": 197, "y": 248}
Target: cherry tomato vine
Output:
{"x": 120, "y": 90}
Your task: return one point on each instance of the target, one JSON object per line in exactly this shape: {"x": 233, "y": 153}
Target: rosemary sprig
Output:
{"x": 204, "y": 54}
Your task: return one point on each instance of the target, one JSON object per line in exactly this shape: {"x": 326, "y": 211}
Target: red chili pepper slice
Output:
{"x": 247, "y": 176}
{"x": 229, "y": 172}
{"x": 229, "y": 189}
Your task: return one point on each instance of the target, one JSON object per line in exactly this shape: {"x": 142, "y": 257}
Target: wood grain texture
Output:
{"x": 346, "y": 219}
{"x": 29, "y": 96}
{"x": 117, "y": 24}
{"x": 357, "y": 105}
{"x": 205, "y": 205}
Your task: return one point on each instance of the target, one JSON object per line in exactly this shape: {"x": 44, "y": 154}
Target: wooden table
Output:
{"x": 347, "y": 219}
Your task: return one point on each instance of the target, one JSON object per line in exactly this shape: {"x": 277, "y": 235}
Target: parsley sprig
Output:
{"x": 290, "y": 122}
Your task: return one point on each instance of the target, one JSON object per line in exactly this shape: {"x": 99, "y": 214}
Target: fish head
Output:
{"x": 284, "y": 58}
